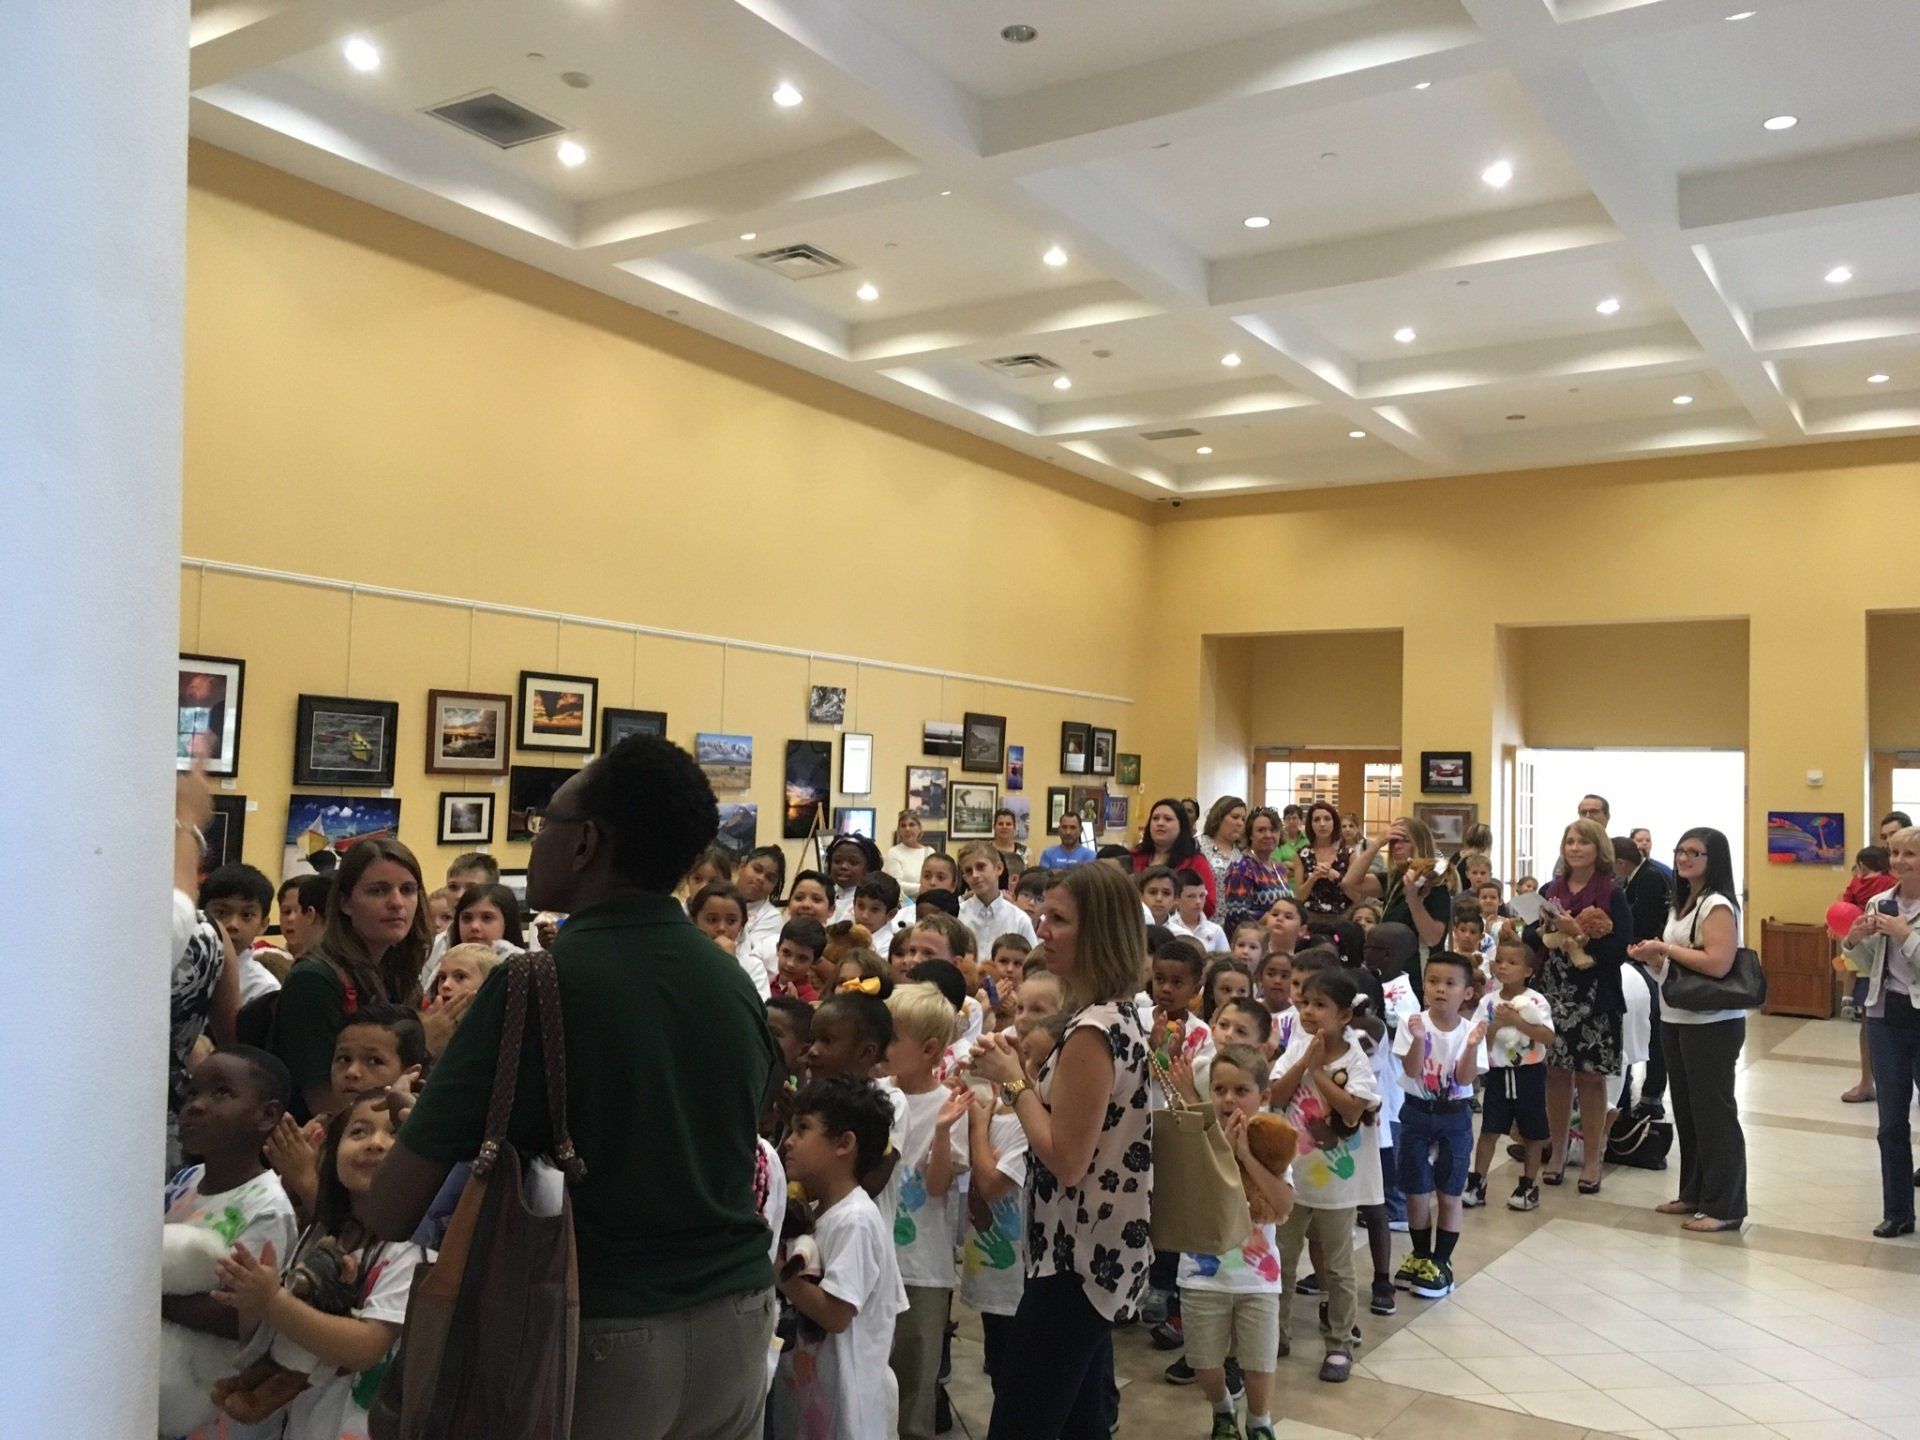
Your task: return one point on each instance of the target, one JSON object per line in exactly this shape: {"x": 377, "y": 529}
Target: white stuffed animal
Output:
{"x": 190, "y": 1360}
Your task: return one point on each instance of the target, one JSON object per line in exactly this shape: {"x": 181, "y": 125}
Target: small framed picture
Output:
{"x": 1076, "y": 747}
{"x": 1127, "y": 769}
{"x": 1449, "y": 824}
{"x": 856, "y": 763}
{"x": 1056, "y": 807}
{"x": 226, "y": 830}
{"x": 983, "y": 743}
{"x": 855, "y": 820}
{"x": 341, "y": 741}
{"x": 726, "y": 759}
{"x": 616, "y": 725}
{"x": 940, "y": 737}
{"x": 927, "y": 792}
{"x": 1116, "y": 813}
{"x": 336, "y": 823}
{"x": 934, "y": 840}
{"x": 468, "y": 734}
{"x": 739, "y": 828}
{"x": 556, "y": 712}
{"x": 1446, "y": 772}
{"x": 826, "y": 705}
{"x": 973, "y": 804}
{"x": 1016, "y": 767}
{"x": 209, "y": 720}
{"x": 530, "y": 790}
{"x": 1090, "y": 804}
{"x": 466, "y": 819}
{"x": 1102, "y": 752}
{"x": 516, "y": 883}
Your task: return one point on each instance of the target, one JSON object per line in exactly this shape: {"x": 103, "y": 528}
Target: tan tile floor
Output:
{"x": 1592, "y": 1316}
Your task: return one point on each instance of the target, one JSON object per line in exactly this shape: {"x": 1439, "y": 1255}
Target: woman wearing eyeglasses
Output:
{"x": 1702, "y": 1047}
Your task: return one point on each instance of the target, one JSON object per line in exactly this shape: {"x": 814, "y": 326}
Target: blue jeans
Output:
{"x": 1390, "y": 1191}
{"x": 1893, "y": 1050}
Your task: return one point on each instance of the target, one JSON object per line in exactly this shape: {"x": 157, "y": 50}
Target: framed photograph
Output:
{"x": 556, "y": 712}
{"x": 1056, "y": 807}
{"x": 1449, "y": 824}
{"x": 1127, "y": 769}
{"x": 209, "y": 723}
{"x": 1102, "y": 752}
{"x": 727, "y": 759}
{"x": 984, "y": 743}
{"x": 336, "y": 823}
{"x": 466, "y": 819}
{"x": 809, "y": 778}
{"x": 226, "y": 829}
{"x": 1090, "y": 804}
{"x": 739, "y": 828}
{"x": 856, "y": 763}
{"x": 529, "y": 790}
{"x": 973, "y": 805}
{"x": 1022, "y": 809}
{"x": 1016, "y": 767}
{"x": 1446, "y": 772}
{"x": 1806, "y": 837}
{"x": 516, "y": 883}
{"x": 940, "y": 737}
{"x": 1076, "y": 747}
{"x": 616, "y": 725}
{"x": 826, "y": 705}
{"x": 927, "y": 792}
{"x": 856, "y": 820}
{"x": 1116, "y": 813}
{"x": 935, "y": 840}
{"x": 338, "y": 741}
{"x": 468, "y": 734}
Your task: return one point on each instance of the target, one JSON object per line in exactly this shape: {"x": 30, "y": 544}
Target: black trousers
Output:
{"x": 1706, "y": 1118}
{"x": 1052, "y": 1375}
{"x": 1653, "y": 1089}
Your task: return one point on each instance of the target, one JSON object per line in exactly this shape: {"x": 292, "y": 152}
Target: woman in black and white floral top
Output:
{"x": 1090, "y": 1178}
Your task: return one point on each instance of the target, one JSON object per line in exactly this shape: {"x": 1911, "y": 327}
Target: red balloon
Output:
{"x": 1840, "y": 917}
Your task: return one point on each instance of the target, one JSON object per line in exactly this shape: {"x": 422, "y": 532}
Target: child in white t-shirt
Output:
{"x": 836, "y": 1381}
{"x": 1440, "y": 1055}
{"x": 876, "y": 905}
{"x": 1190, "y": 914}
{"x": 926, "y": 1216}
{"x": 984, "y": 909}
{"x": 1519, "y": 1027}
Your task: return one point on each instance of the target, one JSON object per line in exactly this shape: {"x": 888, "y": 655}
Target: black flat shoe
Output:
{"x": 1888, "y": 1229}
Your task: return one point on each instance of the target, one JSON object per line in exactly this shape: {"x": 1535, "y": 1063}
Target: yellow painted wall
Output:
{"x": 1893, "y": 673}
{"x": 1326, "y": 689}
{"x": 1560, "y": 708}
{"x": 372, "y": 401}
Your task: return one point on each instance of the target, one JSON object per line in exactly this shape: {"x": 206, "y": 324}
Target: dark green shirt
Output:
{"x": 668, "y": 1057}
{"x": 312, "y": 1004}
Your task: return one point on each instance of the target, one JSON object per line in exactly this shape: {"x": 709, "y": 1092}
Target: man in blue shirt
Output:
{"x": 1071, "y": 850}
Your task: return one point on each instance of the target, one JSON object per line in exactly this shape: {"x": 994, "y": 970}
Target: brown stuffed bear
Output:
{"x": 1273, "y": 1141}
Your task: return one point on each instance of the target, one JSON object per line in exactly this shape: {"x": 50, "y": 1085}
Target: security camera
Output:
{"x": 1176, "y": 502}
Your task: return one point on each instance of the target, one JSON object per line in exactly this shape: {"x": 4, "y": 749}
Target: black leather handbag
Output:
{"x": 1744, "y": 987}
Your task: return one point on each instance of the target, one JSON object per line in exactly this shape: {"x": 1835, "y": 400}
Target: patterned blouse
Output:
{"x": 1098, "y": 1229}
{"x": 1221, "y": 860}
{"x": 1325, "y": 897}
{"x": 1249, "y": 890}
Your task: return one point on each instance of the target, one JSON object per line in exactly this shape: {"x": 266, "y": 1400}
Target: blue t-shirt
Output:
{"x": 1055, "y": 858}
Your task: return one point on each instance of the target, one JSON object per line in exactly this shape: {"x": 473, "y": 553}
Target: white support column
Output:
{"x": 93, "y": 130}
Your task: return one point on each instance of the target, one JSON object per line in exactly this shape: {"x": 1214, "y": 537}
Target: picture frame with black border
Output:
{"x": 983, "y": 743}
{"x": 468, "y": 732}
{"x": 942, "y": 738}
{"x": 530, "y": 789}
{"x": 970, "y": 808}
{"x": 617, "y": 724}
{"x": 856, "y": 762}
{"x": 1103, "y": 743}
{"x": 1057, "y": 799}
{"x": 1446, "y": 772}
{"x": 558, "y": 712}
{"x": 516, "y": 883}
{"x": 1076, "y": 747}
{"x": 225, "y": 832}
{"x": 211, "y": 691}
{"x": 466, "y": 817}
{"x": 339, "y": 740}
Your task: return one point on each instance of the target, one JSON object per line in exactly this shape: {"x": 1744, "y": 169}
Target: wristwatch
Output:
{"x": 1011, "y": 1091}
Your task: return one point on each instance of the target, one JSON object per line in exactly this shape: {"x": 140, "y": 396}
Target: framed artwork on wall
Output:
{"x": 809, "y": 778}
{"x": 226, "y": 830}
{"x": 1449, "y": 824}
{"x": 1090, "y": 804}
{"x": 467, "y": 733}
{"x": 927, "y": 792}
{"x": 973, "y": 805}
{"x": 516, "y": 883}
{"x": 739, "y": 828}
{"x": 529, "y": 791}
{"x": 1806, "y": 837}
{"x": 466, "y": 819}
{"x": 935, "y": 840}
{"x": 556, "y": 712}
{"x": 1056, "y": 807}
{"x": 1016, "y": 767}
{"x": 209, "y": 717}
{"x": 1446, "y": 772}
{"x": 940, "y": 737}
{"x": 1076, "y": 746}
{"x": 1022, "y": 809}
{"x": 1127, "y": 769}
{"x": 1116, "y": 815}
{"x": 726, "y": 759}
{"x": 826, "y": 705}
{"x": 336, "y": 823}
{"x": 856, "y": 763}
{"x": 1102, "y": 752}
{"x": 616, "y": 725}
{"x": 341, "y": 741}
{"x": 983, "y": 743}
{"x": 856, "y": 820}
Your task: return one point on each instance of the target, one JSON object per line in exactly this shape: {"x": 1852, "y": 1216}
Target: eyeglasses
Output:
{"x": 1686, "y": 854}
{"x": 538, "y": 820}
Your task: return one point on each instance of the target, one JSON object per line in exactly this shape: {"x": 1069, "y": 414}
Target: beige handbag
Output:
{"x": 1199, "y": 1202}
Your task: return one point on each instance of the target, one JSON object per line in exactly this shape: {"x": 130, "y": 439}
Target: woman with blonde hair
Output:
{"x": 1091, "y": 1177}
{"x": 1411, "y": 894}
{"x": 907, "y": 854}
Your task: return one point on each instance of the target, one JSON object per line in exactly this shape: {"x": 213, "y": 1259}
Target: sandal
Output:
{"x": 1707, "y": 1225}
{"x": 1590, "y": 1187}
{"x": 1336, "y": 1367}
{"x": 1554, "y": 1177}
{"x": 1675, "y": 1207}
{"x": 1862, "y": 1094}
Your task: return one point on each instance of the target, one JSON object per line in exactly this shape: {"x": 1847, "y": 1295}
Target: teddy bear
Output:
{"x": 1273, "y": 1141}
{"x": 1594, "y": 923}
{"x": 326, "y": 1277}
{"x": 190, "y": 1360}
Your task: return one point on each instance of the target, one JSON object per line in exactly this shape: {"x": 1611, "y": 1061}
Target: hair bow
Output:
{"x": 868, "y": 986}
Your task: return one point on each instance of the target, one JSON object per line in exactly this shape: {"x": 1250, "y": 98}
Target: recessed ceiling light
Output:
{"x": 1230, "y": 359}
{"x": 1498, "y": 174}
{"x": 1608, "y": 306}
{"x": 946, "y": 192}
{"x": 1061, "y": 382}
{"x": 1424, "y": 85}
{"x": 1838, "y": 275}
{"x": 1356, "y": 434}
{"x": 868, "y": 291}
{"x": 750, "y": 235}
{"x": 1256, "y": 222}
{"x": 572, "y": 153}
{"x": 1404, "y": 334}
{"x": 1683, "y": 399}
{"x": 1780, "y": 122}
{"x": 1019, "y": 34}
{"x": 787, "y": 96}
{"x": 1203, "y": 450}
{"x": 361, "y": 54}
{"x": 1055, "y": 256}
{"x": 1742, "y": 15}
{"x": 1878, "y": 379}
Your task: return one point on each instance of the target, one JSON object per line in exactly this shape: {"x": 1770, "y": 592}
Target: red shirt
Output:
{"x": 1859, "y": 892}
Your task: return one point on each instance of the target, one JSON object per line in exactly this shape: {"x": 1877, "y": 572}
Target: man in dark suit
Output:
{"x": 1649, "y": 889}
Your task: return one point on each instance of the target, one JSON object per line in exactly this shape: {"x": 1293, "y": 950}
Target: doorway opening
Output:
{"x": 1666, "y": 791}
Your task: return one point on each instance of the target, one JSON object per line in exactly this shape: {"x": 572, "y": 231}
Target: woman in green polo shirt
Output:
{"x": 1411, "y": 891}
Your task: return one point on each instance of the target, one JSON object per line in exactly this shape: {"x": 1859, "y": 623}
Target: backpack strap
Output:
{"x": 553, "y": 1048}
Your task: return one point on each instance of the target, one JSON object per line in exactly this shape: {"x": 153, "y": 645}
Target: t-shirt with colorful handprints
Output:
{"x": 1328, "y": 1171}
{"x": 1253, "y": 1269}
{"x": 925, "y": 1229}
{"x": 1440, "y": 1052}
{"x": 1169, "y": 1039}
{"x": 334, "y": 1407}
{"x": 994, "y": 1262}
{"x": 1508, "y": 1047}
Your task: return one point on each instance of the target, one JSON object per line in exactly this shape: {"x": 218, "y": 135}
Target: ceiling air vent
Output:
{"x": 1021, "y": 367}
{"x": 497, "y": 120}
{"x": 800, "y": 262}
{"x": 1185, "y": 433}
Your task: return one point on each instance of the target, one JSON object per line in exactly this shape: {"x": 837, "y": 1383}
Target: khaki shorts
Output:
{"x": 1219, "y": 1323}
